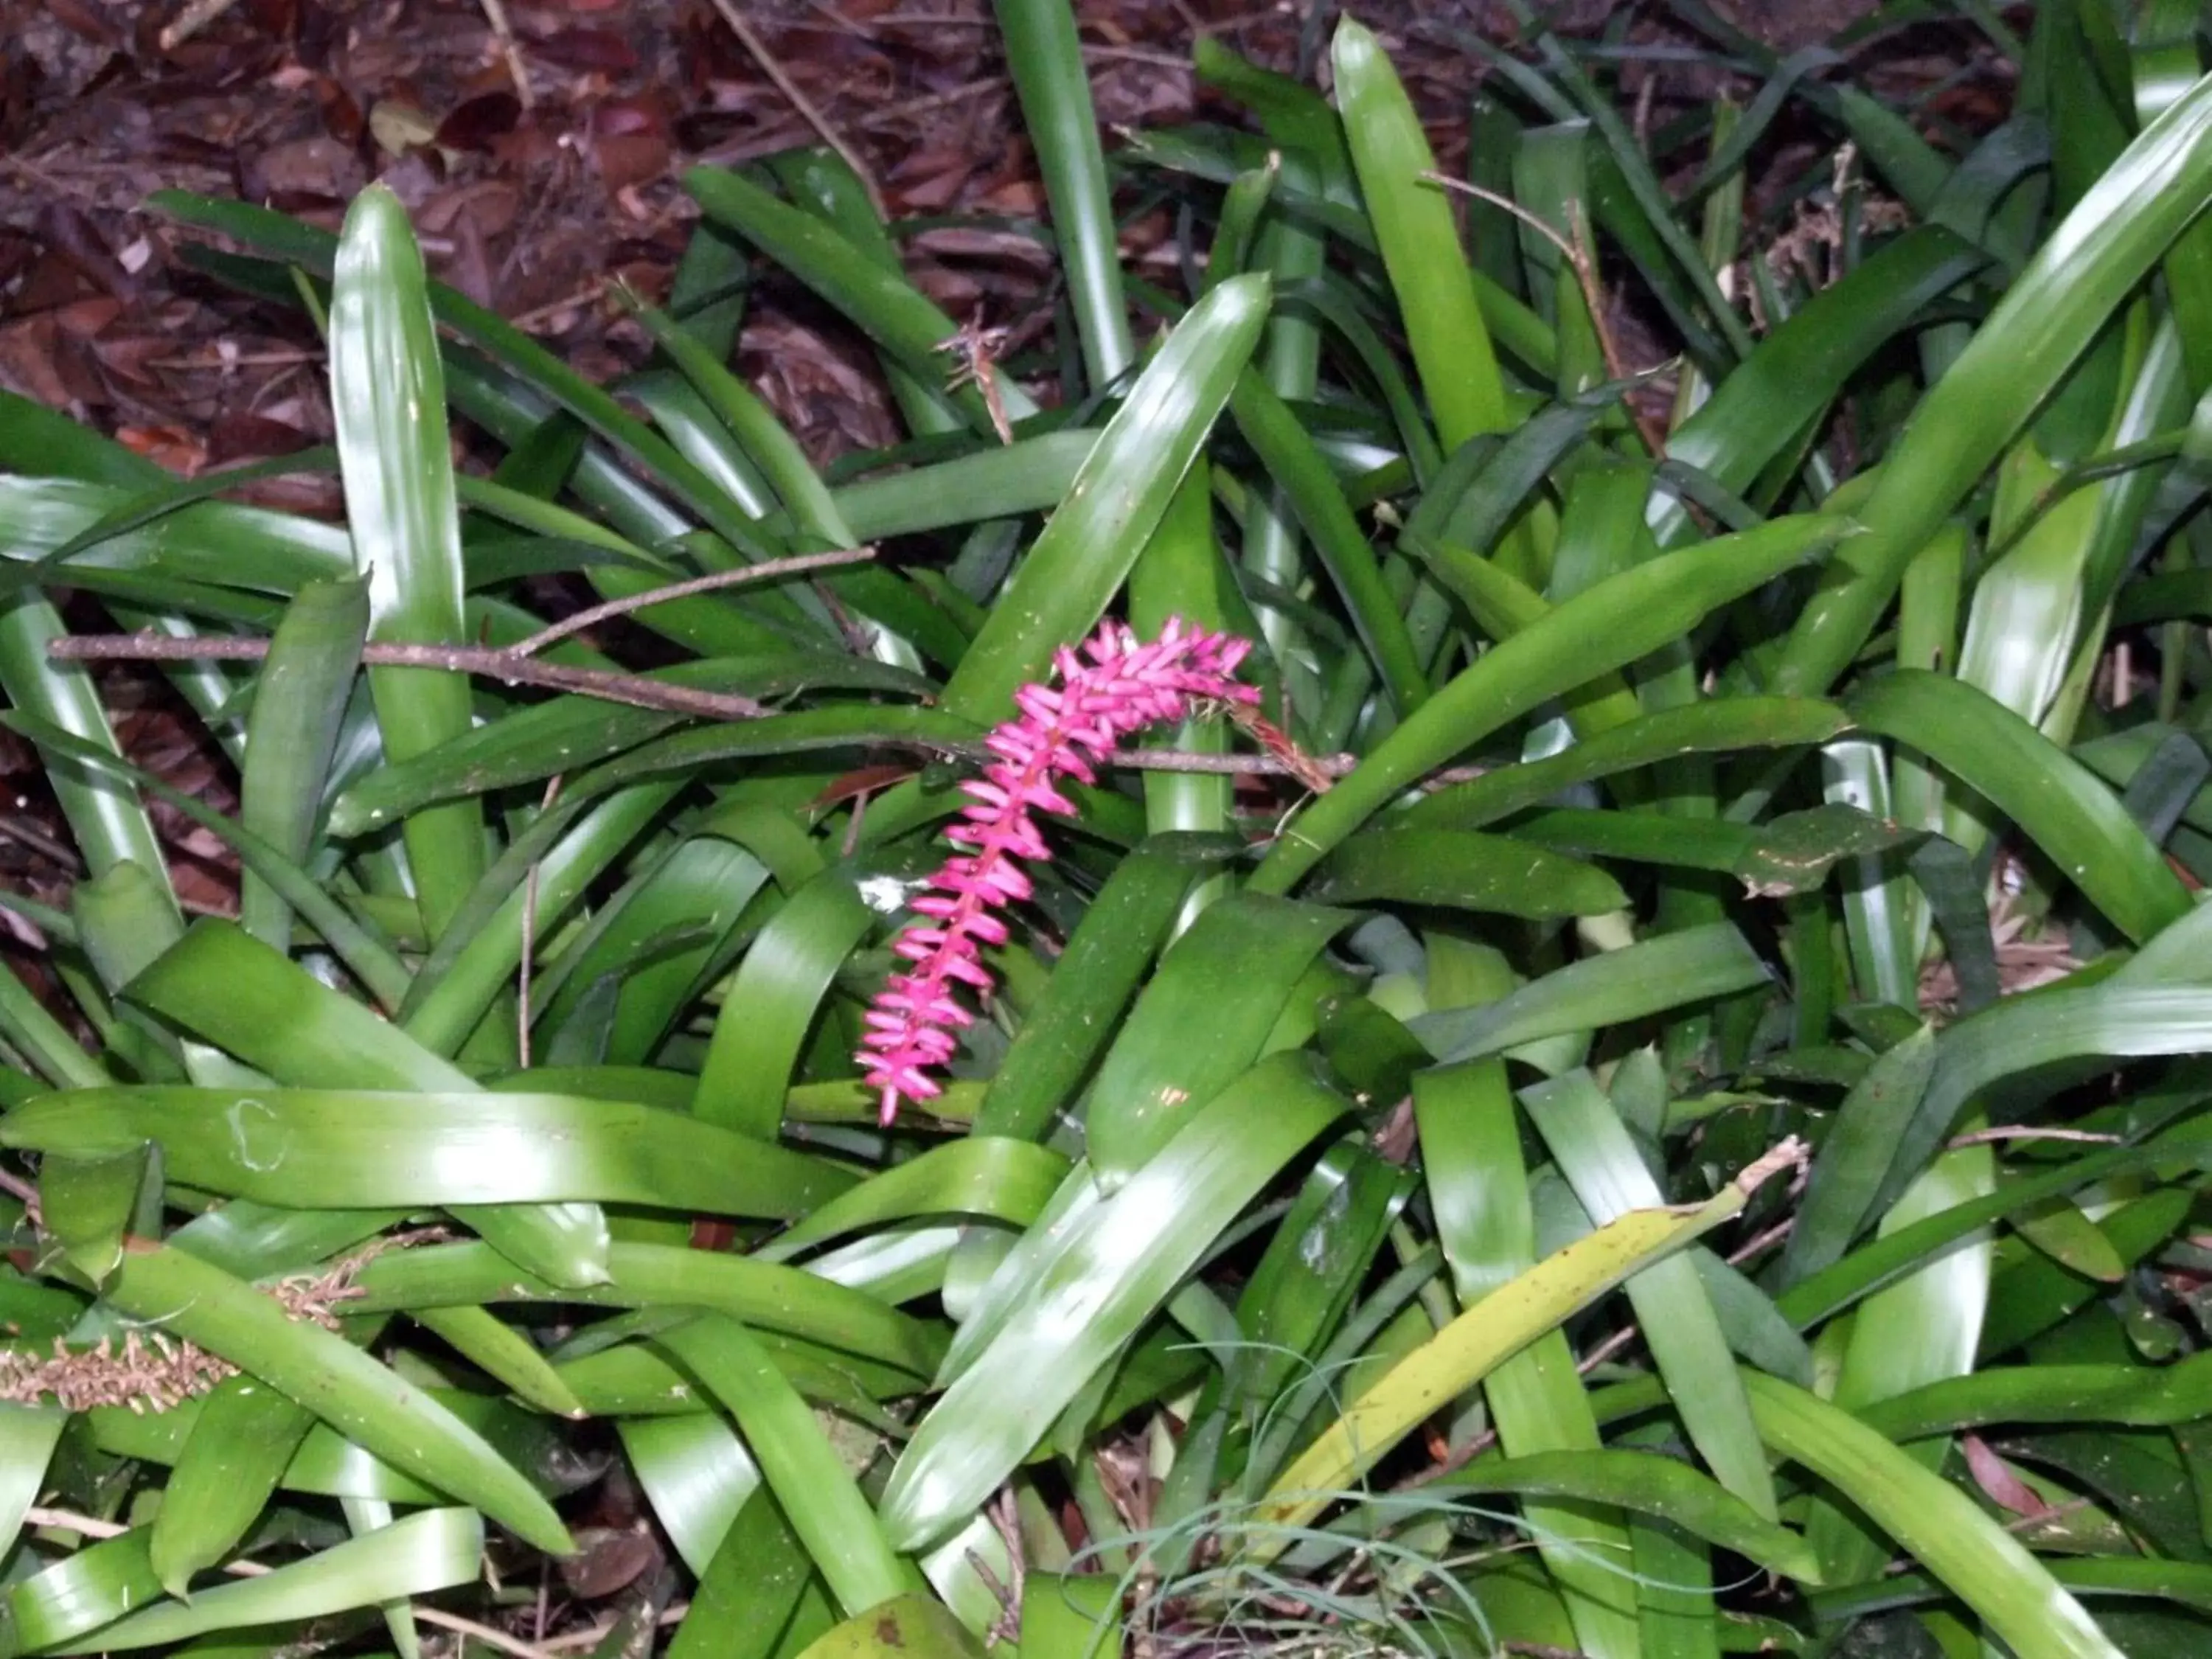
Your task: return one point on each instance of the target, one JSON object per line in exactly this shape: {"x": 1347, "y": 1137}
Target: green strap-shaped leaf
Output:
{"x": 1601, "y": 1164}
{"x": 2055, "y": 800}
{"x": 1181, "y": 573}
{"x": 1670, "y": 971}
{"x": 565, "y": 734}
{"x": 796, "y": 1459}
{"x": 1605, "y": 627}
{"x": 220, "y": 984}
{"x": 1108, "y": 1270}
{"x": 994, "y": 1177}
{"x": 1077, "y": 1016}
{"x": 1085, "y": 553}
{"x": 245, "y": 1436}
{"x": 773, "y": 1004}
{"x": 368, "y": 1149}
{"x": 746, "y": 1592}
{"x": 1647, "y": 1484}
{"x": 1981, "y": 1563}
{"x": 1420, "y": 244}
{"x": 435, "y": 1550}
{"x": 697, "y": 1474}
{"x": 1478, "y": 1185}
{"x": 1463, "y": 870}
{"x": 2141, "y": 1396}
{"x": 300, "y": 700}
{"x": 768, "y": 1297}
{"x": 363, "y": 1399}
{"x": 388, "y": 399}
{"x": 1269, "y": 425}
{"x": 1202, "y": 1020}
{"x": 2089, "y": 265}
{"x": 1054, "y": 85}
{"x": 1856, "y": 1155}
{"x": 29, "y": 1435}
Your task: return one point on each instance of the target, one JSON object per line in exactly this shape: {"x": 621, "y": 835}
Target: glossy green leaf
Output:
{"x": 767, "y": 1298}
{"x": 773, "y": 1004}
{"x": 433, "y": 1550}
{"x": 1076, "y": 1018}
{"x": 1494, "y": 1327}
{"x": 1648, "y": 1484}
{"x": 245, "y": 1436}
{"x": 1670, "y": 971}
{"x": 800, "y": 1466}
{"x": 363, "y": 1149}
{"x": 220, "y": 984}
{"x": 2057, "y": 803}
{"x": 1594, "y": 1151}
{"x": 1103, "y": 1276}
{"x": 388, "y": 398}
{"x": 1419, "y": 242}
{"x": 299, "y": 699}
{"x": 565, "y": 734}
{"x": 991, "y": 1177}
{"x": 1085, "y": 553}
{"x": 1622, "y": 619}
{"x": 1203, "y": 1019}
{"x": 1976, "y": 1559}
{"x": 365, "y": 1400}
{"x": 2048, "y": 317}
{"x": 1463, "y": 870}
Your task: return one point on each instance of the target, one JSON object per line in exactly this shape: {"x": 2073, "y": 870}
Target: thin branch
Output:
{"x": 492, "y": 664}
{"x": 767, "y": 570}
{"x": 510, "y": 49}
{"x": 190, "y": 19}
{"x": 592, "y": 1635}
{"x": 2017, "y": 1132}
{"x": 750, "y": 39}
{"x": 638, "y": 692}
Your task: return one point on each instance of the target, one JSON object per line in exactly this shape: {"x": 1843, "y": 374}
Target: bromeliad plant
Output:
{"x": 1337, "y": 1204}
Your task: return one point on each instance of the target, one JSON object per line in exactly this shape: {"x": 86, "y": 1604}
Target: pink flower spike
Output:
{"x": 1110, "y": 688}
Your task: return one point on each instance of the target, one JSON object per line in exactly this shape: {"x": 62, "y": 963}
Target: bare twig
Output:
{"x": 2017, "y": 1132}
{"x": 190, "y": 19}
{"x": 749, "y": 38}
{"x": 744, "y": 575}
{"x": 639, "y": 692}
{"x": 979, "y": 349}
{"x": 504, "y": 665}
{"x": 495, "y": 13}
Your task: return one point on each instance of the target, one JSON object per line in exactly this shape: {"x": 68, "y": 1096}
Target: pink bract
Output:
{"x": 1117, "y": 685}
